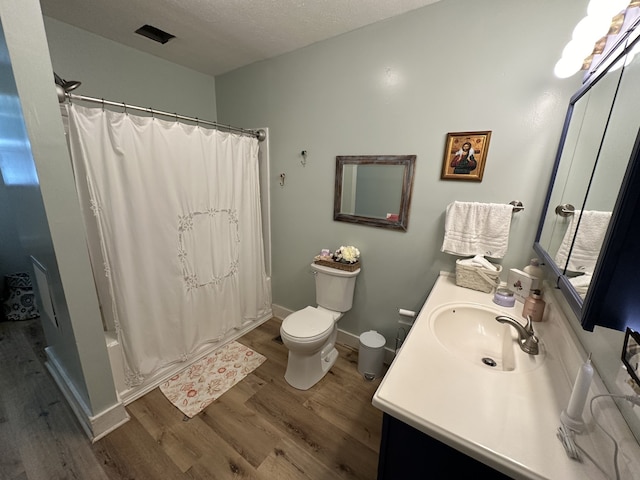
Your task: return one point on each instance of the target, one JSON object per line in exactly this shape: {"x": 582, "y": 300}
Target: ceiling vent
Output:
{"x": 154, "y": 34}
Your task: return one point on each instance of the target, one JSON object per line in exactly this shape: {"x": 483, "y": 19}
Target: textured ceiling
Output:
{"x": 217, "y": 36}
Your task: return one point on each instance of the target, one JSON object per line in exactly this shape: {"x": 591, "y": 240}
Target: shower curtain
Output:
{"x": 177, "y": 210}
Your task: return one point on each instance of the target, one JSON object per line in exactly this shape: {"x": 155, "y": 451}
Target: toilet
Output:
{"x": 310, "y": 334}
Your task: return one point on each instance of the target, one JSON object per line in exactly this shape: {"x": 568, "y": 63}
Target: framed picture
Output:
{"x": 465, "y": 155}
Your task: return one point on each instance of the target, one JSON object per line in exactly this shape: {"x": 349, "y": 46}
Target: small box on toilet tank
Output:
{"x": 521, "y": 283}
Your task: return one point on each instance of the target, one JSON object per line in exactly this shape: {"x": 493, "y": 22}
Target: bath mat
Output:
{"x": 195, "y": 387}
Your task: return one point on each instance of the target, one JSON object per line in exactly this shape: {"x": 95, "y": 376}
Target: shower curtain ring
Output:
{"x": 124, "y": 105}
{"x": 102, "y": 104}
{"x": 151, "y": 112}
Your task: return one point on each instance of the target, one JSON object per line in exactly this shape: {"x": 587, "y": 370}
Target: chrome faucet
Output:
{"x": 526, "y": 337}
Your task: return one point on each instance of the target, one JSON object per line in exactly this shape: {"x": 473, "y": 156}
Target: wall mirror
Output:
{"x": 593, "y": 157}
{"x": 374, "y": 190}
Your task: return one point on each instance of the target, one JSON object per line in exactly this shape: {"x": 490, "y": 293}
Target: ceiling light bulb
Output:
{"x": 589, "y": 29}
{"x": 566, "y": 67}
{"x": 606, "y": 8}
{"x": 578, "y": 49}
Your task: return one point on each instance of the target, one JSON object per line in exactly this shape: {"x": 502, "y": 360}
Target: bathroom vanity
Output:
{"x": 461, "y": 397}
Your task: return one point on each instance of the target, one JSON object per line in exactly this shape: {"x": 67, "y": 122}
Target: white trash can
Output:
{"x": 371, "y": 354}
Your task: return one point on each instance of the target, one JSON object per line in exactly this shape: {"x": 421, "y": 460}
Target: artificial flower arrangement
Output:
{"x": 349, "y": 254}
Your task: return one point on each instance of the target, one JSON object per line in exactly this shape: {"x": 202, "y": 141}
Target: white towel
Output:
{"x": 588, "y": 241}
{"x": 473, "y": 228}
{"x": 581, "y": 284}
{"x": 479, "y": 261}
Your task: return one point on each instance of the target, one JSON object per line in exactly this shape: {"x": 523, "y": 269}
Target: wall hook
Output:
{"x": 282, "y": 177}
{"x": 304, "y": 157}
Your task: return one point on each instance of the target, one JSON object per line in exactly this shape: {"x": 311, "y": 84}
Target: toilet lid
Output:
{"x": 307, "y": 322}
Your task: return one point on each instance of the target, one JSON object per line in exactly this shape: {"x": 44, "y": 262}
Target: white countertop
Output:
{"x": 507, "y": 420}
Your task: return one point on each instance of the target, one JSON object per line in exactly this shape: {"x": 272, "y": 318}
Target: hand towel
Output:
{"x": 588, "y": 241}
{"x": 473, "y": 228}
{"x": 581, "y": 284}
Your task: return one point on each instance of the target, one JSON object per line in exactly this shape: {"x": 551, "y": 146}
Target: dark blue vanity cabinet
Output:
{"x": 408, "y": 454}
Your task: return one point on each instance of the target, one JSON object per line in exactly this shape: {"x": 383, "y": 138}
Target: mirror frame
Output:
{"x": 407, "y": 161}
{"x": 570, "y": 294}
{"x": 577, "y": 304}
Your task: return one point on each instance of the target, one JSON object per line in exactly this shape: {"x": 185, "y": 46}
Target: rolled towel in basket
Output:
{"x": 473, "y": 228}
{"x": 479, "y": 261}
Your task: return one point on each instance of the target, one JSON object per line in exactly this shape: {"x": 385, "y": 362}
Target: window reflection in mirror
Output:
{"x": 374, "y": 190}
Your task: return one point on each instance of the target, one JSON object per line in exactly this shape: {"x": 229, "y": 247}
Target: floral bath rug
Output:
{"x": 195, "y": 387}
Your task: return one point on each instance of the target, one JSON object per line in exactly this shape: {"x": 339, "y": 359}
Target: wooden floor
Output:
{"x": 261, "y": 429}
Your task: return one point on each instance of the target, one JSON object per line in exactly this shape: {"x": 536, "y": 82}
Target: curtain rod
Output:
{"x": 259, "y": 134}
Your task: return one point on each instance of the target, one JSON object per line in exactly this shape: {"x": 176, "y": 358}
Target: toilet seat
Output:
{"x": 308, "y": 324}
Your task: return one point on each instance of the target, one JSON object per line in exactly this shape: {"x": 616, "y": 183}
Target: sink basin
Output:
{"x": 471, "y": 332}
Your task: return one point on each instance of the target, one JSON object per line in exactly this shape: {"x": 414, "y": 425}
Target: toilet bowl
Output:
{"x": 310, "y": 334}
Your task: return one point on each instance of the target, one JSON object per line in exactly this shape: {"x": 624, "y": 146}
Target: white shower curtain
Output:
{"x": 177, "y": 209}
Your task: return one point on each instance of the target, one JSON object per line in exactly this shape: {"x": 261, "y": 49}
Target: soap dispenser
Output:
{"x": 534, "y": 306}
{"x": 534, "y": 269}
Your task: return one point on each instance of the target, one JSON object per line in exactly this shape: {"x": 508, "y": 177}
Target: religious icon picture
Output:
{"x": 465, "y": 155}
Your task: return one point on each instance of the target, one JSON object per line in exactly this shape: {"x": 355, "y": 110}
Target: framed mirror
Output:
{"x": 374, "y": 190}
{"x": 587, "y": 119}
{"x": 588, "y": 181}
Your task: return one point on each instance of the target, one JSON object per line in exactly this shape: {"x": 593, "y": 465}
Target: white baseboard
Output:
{"x": 108, "y": 420}
{"x": 94, "y": 426}
{"x": 344, "y": 338}
{"x": 280, "y": 312}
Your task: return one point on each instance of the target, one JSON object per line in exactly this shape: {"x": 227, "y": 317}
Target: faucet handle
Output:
{"x": 529, "y": 326}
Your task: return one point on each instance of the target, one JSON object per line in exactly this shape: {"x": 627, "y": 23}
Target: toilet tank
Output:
{"x": 334, "y": 288}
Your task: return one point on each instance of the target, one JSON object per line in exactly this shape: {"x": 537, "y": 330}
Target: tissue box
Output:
{"x": 521, "y": 283}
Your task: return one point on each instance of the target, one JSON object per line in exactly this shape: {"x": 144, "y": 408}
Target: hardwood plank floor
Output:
{"x": 42, "y": 435}
{"x": 260, "y": 429}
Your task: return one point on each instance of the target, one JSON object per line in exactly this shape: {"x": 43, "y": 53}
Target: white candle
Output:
{"x": 572, "y": 416}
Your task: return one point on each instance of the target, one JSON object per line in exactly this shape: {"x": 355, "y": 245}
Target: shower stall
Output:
{"x": 178, "y": 231}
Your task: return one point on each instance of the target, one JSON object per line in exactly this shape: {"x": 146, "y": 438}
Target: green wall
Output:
{"x": 45, "y": 219}
{"x": 396, "y": 88}
{"x": 119, "y": 73}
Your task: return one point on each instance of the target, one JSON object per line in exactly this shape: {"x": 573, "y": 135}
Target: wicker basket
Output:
{"x": 477, "y": 278}
{"x": 349, "y": 267}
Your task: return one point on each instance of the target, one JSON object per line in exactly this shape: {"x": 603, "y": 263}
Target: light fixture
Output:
{"x": 566, "y": 67}
{"x": 606, "y": 8}
{"x": 586, "y": 34}
{"x": 590, "y": 28}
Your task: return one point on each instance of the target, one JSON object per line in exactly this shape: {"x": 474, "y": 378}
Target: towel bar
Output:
{"x": 565, "y": 210}
{"x": 517, "y": 206}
